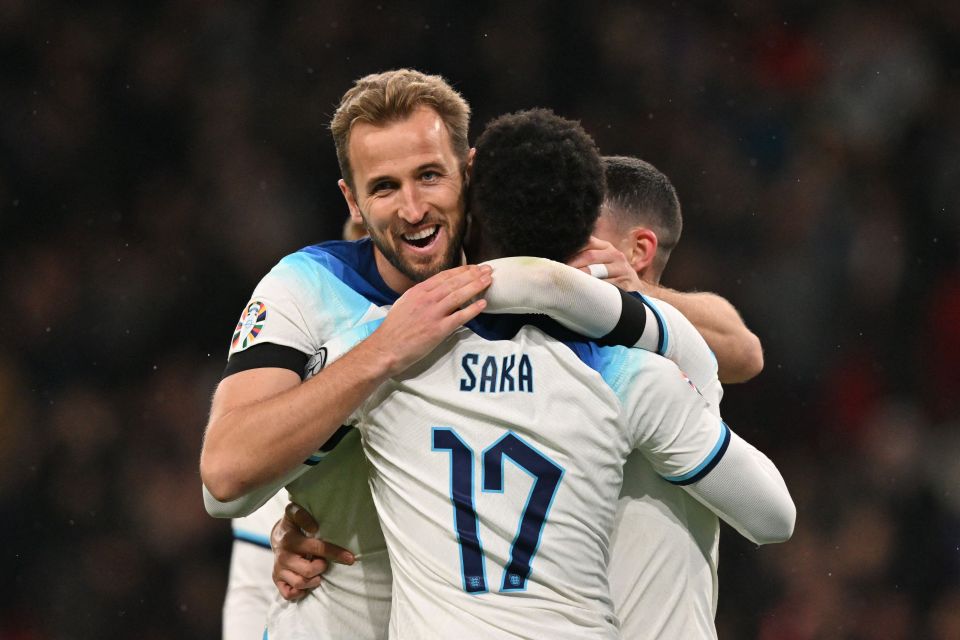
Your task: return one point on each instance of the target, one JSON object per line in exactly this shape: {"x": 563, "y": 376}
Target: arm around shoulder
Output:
{"x": 237, "y": 402}
{"x": 264, "y": 422}
{"x": 738, "y": 350}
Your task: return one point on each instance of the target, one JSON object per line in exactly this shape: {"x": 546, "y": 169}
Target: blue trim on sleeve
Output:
{"x": 708, "y": 463}
{"x": 252, "y": 538}
{"x": 664, "y": 340}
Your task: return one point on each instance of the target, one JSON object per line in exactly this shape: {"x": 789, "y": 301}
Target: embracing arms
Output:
{"x": 265, "y": 422}
{"x": 738, "y": 351}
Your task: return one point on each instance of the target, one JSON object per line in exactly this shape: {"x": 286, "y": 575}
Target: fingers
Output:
{"x": 467, "y": 314}
{"x": 330, "y": 551}
{"x": 598, "y": 270}
{"x": 454, "y": 278}
{"x": 289, "y": 592}
{"x": 464, "y": 291}
{"x": 596, "y": 251}
{"x": 596, "y": 256}
{"x": 448, "y": 291}
{"x": 306, "y": 569}
{"x": 451, "y": 280}
{"x": 288, "y": 538}
{"x": 428, "y": 313}
{"x": 299, "y": 517}
{"x": 294, "y": 542}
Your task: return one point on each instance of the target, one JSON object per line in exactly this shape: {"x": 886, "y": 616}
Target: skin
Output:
{"x": 408, "y": 179}
{"x": 629, "y": 257}
{"x": 628, "y": 254}
{"x": 299, "y": 555}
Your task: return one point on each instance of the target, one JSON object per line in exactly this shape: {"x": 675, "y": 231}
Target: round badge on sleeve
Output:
{"x": 250, "y": 325}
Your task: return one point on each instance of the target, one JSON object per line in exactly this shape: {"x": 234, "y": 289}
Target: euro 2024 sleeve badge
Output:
{"x": 250, "y": 325}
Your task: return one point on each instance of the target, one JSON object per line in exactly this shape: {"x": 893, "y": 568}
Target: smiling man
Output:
{"x": 407, "y": 190}
{"x": 401, "y": 140}
{"x": 403, "y": 178}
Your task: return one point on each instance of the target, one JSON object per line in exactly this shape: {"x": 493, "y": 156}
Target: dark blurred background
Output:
{"x": 156, "y": 158}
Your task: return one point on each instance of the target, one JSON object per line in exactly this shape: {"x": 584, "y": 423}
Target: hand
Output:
{"x": 428, "y": 313}
{"x": 299, "y": 559}
{"x": 619, "y": 271}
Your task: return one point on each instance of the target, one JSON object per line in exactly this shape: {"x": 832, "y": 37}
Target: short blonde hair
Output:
{"x": 380, "y": 98}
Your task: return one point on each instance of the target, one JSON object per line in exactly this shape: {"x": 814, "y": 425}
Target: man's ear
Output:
{"x": 468, "y": 170}
{"x": 641, "y": 249}
{"x": 351, "y": 201}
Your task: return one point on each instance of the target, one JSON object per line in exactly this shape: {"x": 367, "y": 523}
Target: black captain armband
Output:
{"x": 266, "y": 355}
{"x": 581, "y": 303}
{"x": 630, "y": 325}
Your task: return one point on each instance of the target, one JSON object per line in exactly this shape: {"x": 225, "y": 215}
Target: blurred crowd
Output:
{"x": 157, "y": 158}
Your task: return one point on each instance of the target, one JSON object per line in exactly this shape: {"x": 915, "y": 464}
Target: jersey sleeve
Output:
{"x": 681, "y": 342}
{"x": 688, "y": 445}
{"x": 247, "y": 504}
{"x": 600, "y": 311}
{"x": 669, "y": 420}
{"x": 746, "y": 491}
{"x": 581, "y": 303}
{"x": 273, "y": 315}
{"x": 306, "y": 298}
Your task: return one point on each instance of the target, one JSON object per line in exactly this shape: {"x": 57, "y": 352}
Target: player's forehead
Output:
{"x": 400, "y": 145}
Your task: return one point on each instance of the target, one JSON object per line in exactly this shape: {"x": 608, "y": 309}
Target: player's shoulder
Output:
{"x": 333, "y": 256}
{"x": 336, "y": 266}
{"x": 637, "y": 370}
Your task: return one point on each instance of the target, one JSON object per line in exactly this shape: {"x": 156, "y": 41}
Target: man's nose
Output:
{"x": 412, "y": 207}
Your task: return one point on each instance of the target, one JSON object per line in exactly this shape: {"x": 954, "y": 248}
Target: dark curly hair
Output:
{"x": 537, "y": 185}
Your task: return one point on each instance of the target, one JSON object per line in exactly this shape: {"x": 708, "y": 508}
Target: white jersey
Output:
{"x": 298, "y": 307}
{"x": 664, "y": 553}
{"x": 496, "y": 469}
{"x": 321, "y": 291}
{"x": 663, "y": 559}
{"x": 250, "y": 591}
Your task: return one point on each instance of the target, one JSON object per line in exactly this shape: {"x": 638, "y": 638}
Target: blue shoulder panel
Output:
{"x": 354, "y": 264}
{"x": 505, "y": 326}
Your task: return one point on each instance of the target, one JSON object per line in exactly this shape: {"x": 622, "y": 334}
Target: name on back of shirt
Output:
{"x": 493, "y": 374}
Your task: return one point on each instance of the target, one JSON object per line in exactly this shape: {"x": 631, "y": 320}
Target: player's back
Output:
{"x": 497, "y": 466}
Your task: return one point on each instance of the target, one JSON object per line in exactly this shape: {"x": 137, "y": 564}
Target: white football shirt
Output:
{"x": 319, "y": 291}
{"x": 496, "y": 470}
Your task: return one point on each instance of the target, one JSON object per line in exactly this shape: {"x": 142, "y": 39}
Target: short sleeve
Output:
{"x": 273, "y": 315}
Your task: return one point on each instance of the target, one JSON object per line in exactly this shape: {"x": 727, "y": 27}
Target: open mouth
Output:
{"x": 422, "y": 238}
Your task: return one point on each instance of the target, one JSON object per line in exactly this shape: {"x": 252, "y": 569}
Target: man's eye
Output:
{"x": 430, "y": 176}
{"x": 381, "y": 186}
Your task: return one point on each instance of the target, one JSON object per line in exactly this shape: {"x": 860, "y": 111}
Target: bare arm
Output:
{"x": 738, "y": 350}
{"x": 263, "y": 422}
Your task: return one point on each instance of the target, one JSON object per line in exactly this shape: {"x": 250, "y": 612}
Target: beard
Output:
{"x": 420, "y": 272}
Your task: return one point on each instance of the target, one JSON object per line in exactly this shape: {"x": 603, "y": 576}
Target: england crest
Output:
{"x": 250, "y": 325}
